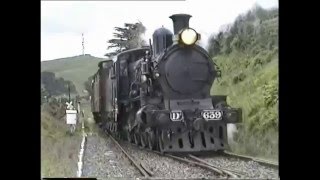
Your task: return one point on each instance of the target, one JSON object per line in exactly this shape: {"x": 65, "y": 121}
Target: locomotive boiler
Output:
{"x": 158, "y": 97}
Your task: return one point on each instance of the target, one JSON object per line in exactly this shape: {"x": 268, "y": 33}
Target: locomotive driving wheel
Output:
{"x": 143, "y": 139}
{"x": 107, "y": 127}
{"x": 129, "y": 137}
{"x": 161, "y": 138}
{"x": 136, "y": 138}
{"x": 151, "y": 138}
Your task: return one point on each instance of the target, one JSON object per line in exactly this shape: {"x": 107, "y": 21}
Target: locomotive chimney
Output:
{"x": 180, "y": 21}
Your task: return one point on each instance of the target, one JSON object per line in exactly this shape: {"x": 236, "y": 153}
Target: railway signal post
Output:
{"x": 71, "y": 117}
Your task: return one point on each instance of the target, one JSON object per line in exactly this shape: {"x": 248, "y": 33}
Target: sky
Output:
{"x": 63, "y": 22}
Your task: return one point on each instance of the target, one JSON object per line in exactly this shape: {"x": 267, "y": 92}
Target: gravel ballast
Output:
{"x": 165, "y": 167}
{"x": 103, "y": 159}
{"x": 250, "y": 169}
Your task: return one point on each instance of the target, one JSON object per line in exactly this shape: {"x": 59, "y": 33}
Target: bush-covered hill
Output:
{"x": 247, "y": 54}
{"x": 76, "y": 69}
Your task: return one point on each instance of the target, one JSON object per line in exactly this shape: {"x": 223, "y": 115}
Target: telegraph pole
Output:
{"x": 69, "y": 92}
{"x": 82, "y": 44}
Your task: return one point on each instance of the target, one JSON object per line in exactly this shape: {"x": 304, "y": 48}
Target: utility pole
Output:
{"x": 69, "y": 92}
{"x": 82, "y": 44}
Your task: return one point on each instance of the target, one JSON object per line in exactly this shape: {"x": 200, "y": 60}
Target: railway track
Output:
{"x": 207, "y": 163}
{"x": 222, "y": 171}
{"x": 188, "y": 159}
{"x": 249, "y": 158}
{"x": 138, "y": 164}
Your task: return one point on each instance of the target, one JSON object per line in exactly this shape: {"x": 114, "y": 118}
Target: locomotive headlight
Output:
{"x": 189, "y": 36}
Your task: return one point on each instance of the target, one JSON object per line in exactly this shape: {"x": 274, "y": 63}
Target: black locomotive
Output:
{"x": 158, "y": 97}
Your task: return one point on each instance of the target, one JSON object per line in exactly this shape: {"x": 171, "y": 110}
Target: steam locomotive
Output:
{"x": 158, "y": 97}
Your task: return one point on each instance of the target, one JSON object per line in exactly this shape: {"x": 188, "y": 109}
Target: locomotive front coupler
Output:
{"x": 198, "y": 124}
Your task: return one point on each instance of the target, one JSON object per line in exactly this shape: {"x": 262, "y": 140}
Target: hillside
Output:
{"x": 59, "y": 149}
{"x": 247, "y": 55}
{"x": 76, "y": 69}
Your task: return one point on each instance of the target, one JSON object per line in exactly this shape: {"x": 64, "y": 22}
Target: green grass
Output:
{"x": 90, "y": 126}
{"x": 76, "y": 69}
{"x": 59, "y": 150}
{"x": 250, "y": 82}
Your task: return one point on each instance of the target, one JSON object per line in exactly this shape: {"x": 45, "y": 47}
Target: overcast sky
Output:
{"x": 62, "y": 22}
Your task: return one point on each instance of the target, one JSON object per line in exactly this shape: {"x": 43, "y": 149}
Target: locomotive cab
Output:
{"x": 124, "y": 69}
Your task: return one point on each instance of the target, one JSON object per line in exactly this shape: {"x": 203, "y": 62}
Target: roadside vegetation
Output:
{"x": 247, "y": 54}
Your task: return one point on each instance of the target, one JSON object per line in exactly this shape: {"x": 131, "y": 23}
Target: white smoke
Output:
{"x": 231, "y": 130}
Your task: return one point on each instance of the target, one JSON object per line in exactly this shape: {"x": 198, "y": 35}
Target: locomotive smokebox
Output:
{"x": 180, "y": 21}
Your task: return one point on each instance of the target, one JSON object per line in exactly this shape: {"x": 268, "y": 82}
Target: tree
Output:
{"x": 214, "y": 45}
{"x": 249, "y": 29}
{"x": 236, "y": 43}
{"x": 250, "y": 16}
{"x": 87, "y": 85}
{"x": 260, "y": 13}
{"x": 44, "y": 95}
{"x": 56, "y": 86}
{"x": 255, "y": 29}
{"x": 226, "y": 48}
{"x": 127, "y": 37}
